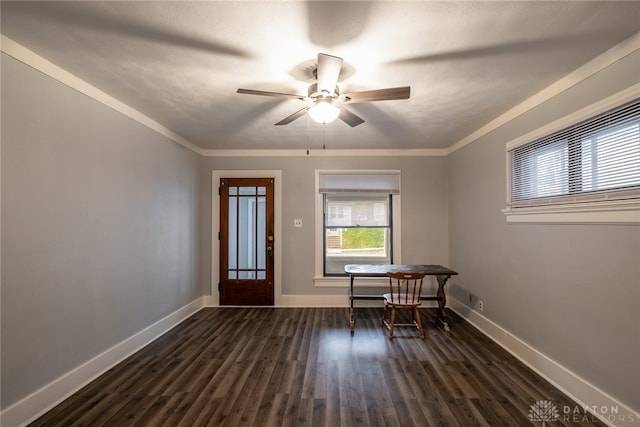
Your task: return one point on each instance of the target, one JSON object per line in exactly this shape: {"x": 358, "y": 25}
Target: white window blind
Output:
{"x": 364, "y": 211}
{"x": 597, "y": 159}
{"x": 385, "y": 182}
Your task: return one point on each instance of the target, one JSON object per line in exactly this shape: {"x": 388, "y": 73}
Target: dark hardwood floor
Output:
{"x": 301, "y": 367}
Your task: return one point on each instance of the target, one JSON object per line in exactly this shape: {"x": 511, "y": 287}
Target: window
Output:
{"x": 595, "y": 161}
{"x": 357, "y": 221}
{"x": 357, "y": 230}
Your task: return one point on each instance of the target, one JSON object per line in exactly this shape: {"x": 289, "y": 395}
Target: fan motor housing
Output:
{"x": 314, "y": 93}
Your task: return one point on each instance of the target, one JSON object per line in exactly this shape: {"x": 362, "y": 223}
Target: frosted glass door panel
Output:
{"x": 247, "y": 224}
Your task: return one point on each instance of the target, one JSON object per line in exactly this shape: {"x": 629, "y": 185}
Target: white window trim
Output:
{"x": 596, "y": 212}
{"x": 609, "y": 212}
{"x": 343, "y": 282}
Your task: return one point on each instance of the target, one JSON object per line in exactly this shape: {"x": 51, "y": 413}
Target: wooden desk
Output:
{"x": 369, "y": 270}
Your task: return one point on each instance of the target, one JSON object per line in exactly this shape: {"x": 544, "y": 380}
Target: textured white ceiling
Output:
{"x": 180, "y": 63}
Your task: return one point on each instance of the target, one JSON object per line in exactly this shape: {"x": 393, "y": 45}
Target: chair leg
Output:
{"x": 416, "y": 315}
{"x": 393, "y": 322}
{"x": 384, "y": 316}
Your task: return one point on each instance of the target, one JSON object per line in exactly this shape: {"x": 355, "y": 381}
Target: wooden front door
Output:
{"x": 246, "y": 241}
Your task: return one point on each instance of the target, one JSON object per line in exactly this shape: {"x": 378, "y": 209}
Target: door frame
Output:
{"x": 277, "y": 227}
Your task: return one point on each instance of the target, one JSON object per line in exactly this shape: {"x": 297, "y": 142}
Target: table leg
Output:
{"x": 442, "y": 302}
{"x": 352, "y": 320}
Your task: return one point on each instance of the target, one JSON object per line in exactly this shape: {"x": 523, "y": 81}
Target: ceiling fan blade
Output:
{"x": 292, "y": 117}
{"x": 350, "y": 118}
{"x": 276, "y": 94}
{"x": 328, "y": 72}
{"x": 378, "y": 95}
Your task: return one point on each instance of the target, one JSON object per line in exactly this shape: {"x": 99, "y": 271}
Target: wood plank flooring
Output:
{"x": 301, "y": 367}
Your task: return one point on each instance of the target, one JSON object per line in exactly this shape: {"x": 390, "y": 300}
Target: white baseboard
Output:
{"x": 589, "y": 398}
{"x": 294, "y": 301}
{"x": 33, "y": 406}
{"x": 314, "y": 301}
{"x": 585, "y": 394}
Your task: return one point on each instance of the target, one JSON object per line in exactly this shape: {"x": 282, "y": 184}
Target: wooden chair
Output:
{"x": 404, "y": 292}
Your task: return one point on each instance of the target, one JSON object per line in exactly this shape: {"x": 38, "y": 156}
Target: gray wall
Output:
{"x": 424, "y": 210}
{"x": 570, "y": 291}
{"x": 100, "y": 229}
{"x": 106, "y": 229}
{"x": 106, "y": 225}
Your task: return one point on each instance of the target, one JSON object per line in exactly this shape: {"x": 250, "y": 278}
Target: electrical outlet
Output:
{"x": 297, "y": 222}
{"x": 480, "y": 305}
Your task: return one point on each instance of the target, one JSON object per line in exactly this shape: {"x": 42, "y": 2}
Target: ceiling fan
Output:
{"x": 324, "y": 98}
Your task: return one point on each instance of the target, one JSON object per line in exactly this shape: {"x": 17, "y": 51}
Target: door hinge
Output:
{"x": 219, "y": 191}
{"x": 218, "y": 235}
{"x": 219, "y": 287}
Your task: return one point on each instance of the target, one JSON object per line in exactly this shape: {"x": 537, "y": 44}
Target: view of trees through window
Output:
{"x": 357, "y": 230}
{"x": 356, "y": 241}
{"x": 365, "y": 238}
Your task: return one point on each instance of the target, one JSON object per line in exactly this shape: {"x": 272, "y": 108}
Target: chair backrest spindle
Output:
{"x": 405, "y": 287}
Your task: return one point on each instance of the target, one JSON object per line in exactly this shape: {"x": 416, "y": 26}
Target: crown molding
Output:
{"x": 617, "y": 99}
{"x": 35, "y": 61}
{"x": 599, "y": 63}
{"x": 328, "y": 153}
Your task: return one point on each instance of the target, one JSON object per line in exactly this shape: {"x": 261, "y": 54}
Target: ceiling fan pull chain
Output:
{"x": 323, "y": 146}
{"x": 307, "y": 134}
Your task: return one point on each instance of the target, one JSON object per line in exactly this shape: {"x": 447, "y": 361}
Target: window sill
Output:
{"x": 618, "y": 212}
{"x": 343, "y": 282}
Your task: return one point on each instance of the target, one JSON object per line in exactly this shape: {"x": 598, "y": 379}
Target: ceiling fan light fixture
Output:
{"x": 324, "y": 111}
{"x": 324, "y": 102}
